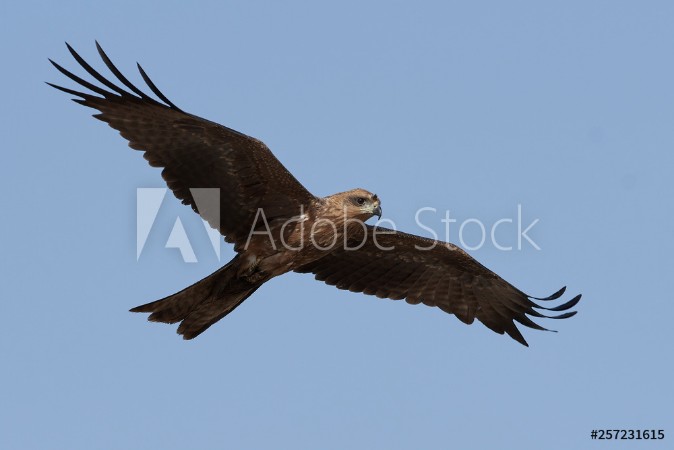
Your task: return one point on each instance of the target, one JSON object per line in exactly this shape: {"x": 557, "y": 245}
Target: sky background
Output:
{"x": 472, "y": 107}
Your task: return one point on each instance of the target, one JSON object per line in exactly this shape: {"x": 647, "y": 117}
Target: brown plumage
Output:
{"x": 277, "y": 226}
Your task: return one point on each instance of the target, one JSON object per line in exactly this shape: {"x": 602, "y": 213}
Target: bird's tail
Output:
{"x": 202, "y": 304}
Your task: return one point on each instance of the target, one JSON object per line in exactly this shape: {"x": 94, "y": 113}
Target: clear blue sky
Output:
{"x": 471, "y": 107}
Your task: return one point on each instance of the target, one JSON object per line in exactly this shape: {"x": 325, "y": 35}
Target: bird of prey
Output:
{"x": 278, "y": 226}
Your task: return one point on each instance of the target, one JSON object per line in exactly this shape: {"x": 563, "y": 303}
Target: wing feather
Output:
{"x": 194, "y": 152}
{"x": 444, "y": 276}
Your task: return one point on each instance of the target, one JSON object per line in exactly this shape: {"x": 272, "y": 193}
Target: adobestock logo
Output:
{"x": 472, "y": 222}
{"x": 149, "y": 204}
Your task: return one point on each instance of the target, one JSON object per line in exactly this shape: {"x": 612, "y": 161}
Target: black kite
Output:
{"x": 197, "y": 153}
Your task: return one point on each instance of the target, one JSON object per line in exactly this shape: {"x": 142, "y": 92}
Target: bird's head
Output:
{"x": 360, "y": 204}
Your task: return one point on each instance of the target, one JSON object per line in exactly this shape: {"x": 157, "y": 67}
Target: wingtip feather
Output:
{"x": 554, "y": 296}
{"x": 154, "y": 88}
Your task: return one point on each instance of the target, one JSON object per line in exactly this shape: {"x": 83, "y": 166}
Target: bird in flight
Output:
{"x": 278, "y": 226}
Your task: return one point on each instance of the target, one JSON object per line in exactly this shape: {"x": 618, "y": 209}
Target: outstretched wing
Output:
{"x": 194, "y": 153}
{"x": 395, "y": 265}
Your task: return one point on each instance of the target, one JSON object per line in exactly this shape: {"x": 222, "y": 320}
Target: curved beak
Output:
{"x": 377, "y": 211}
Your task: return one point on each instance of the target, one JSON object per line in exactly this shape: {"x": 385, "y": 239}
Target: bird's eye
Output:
{"x": 360, "y": 200}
